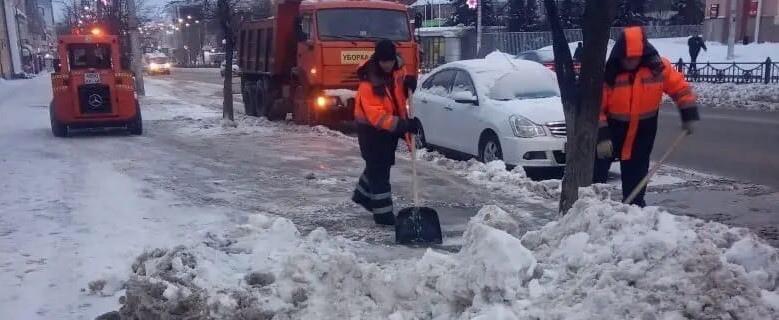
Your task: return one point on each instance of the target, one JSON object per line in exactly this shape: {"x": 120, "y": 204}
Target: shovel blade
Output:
{"x": 418, "y": 225}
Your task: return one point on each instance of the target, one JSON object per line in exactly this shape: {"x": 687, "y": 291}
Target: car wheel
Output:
{"x": 135, "y": 127}
{"x": 419, "y": 137}
{"x": 58, "y": 129}
{"x": 544, "y": 173}
{"x": 490, "y": 149}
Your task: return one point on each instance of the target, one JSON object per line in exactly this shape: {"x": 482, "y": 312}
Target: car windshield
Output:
{"x": 87, "y": 55}
{"x": 357, "y": 24}
{"x": 159, "y": 60}
{"x": 530, "y": 83}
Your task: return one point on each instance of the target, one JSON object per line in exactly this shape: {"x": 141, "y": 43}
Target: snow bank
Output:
{"x": 758, "y": 96}
{"x": 675, "y": 48}
{"x": 602, "y": 260}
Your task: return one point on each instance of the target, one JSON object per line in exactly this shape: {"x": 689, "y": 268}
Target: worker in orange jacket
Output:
{"x": 381, "y": 117}
{"x": 635, "y": 79}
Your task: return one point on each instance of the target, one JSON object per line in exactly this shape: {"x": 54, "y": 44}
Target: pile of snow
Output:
{"x": 675, "y": 48}
{"x": 757, "y": 96}
{"x": 420, "y": 3}
{"x": 494, "y": 176}
{"x": 603, "y": 259}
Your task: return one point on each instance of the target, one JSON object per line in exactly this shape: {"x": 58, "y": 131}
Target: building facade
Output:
{"x": 6, "y": 64}
{"x": 27, "y": 36}
{"x": 717, "y": 20}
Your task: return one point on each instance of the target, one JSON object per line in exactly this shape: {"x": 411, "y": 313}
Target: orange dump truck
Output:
{"x": 303, "y": 60}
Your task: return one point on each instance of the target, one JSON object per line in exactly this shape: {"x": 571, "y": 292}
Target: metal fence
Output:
{"x": 516, "y": 42}
{"x": 433, "y": 53}
{"x": 730, "y": 72}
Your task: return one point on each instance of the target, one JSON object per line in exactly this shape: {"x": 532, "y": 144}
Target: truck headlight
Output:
{"x": 323, "y": 102}
{"x": 524, "y": 128}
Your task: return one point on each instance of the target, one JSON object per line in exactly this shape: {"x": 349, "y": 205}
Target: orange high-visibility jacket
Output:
{"x": 381, "y": 111}
{"x": 637, "y": 95}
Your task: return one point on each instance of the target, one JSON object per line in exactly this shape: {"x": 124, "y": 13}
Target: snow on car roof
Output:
{"x": 494, "y": 66}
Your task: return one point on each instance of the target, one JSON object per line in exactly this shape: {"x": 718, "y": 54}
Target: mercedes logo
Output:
{"x": 95, "y": 101}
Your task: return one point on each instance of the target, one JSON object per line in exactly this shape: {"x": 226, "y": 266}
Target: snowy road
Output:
{"x": 81, "y": 209}
{"x": 740, "y": 144}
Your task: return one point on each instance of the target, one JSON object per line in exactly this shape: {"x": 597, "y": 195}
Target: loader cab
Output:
{"x": 90, "y": 87}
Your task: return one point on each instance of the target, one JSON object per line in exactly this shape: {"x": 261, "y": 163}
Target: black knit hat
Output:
{"x": 385, "y": 51}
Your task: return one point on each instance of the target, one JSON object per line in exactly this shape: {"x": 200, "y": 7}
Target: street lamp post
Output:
{"x": 476, "y": 4}
{"x": 135, "y": 48}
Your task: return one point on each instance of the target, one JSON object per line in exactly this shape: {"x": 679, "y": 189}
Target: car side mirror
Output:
{"x": 465, "y": 97}
{"x": 57, "y": 65}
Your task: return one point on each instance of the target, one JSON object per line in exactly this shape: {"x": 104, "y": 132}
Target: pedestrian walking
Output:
{"x": 635, "y": 79}
{"x": 695, "y": 44}
{"x": 381, "y": 117}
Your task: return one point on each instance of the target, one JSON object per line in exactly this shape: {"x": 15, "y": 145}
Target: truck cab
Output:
{"x": 90, "y": 88}
{"x": 312, "y": 72}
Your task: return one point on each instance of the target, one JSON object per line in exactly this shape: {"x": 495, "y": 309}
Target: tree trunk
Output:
{"x": 581, "y": 103}
{"x": 223, "y": 7}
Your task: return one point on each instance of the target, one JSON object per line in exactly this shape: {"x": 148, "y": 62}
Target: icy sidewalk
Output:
{"x": 70, "y": 214}
{"x": 333, "y": 160}
{"x": 603, "y": 260}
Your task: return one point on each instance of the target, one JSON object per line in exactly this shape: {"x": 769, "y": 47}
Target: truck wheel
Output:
{"x": 248, "y": 91}
{"x": 279, "y": 110}
{"x": 300, "y": 111}
{"x": 135, "y": 127}
{"x": 261, "y": 99}
{"x": 58, "y": 129}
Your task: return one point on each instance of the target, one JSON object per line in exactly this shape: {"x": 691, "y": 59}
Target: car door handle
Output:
{"x": 449, "y": 108}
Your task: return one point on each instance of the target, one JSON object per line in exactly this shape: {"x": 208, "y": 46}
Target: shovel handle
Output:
{"x": 645, "y": 180}
{"x": 414, "y": 183}
{"x": 412, "y": 143}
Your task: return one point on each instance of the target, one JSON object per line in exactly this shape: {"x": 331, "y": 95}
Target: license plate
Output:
{"x": 91, "y": 78}
{"x": 355, "y": 57}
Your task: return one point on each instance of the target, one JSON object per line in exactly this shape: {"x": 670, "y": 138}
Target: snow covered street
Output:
{"x": 195, "y": 218}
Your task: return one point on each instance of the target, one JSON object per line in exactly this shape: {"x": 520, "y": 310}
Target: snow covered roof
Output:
{"x": 497, "y": 65}
{"x": 420, "y": 3}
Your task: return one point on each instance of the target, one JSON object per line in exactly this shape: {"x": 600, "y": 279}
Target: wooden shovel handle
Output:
{"x": 657, "y": 166}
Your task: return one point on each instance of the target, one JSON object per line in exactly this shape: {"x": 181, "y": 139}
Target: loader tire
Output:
{"x": 135, "y": 127}
{"x": 58, "y": 129}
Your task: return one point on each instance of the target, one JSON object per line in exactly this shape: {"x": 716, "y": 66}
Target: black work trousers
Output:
{"x": 373, "y": 190}
{"x": 637, "y": 167}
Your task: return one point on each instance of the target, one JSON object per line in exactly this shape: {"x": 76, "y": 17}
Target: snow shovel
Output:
{"x": 417, "y": 225}
{"x": 645, "y": 180}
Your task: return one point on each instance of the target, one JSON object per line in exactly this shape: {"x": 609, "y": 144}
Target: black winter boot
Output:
{"x": 386, "y": 219}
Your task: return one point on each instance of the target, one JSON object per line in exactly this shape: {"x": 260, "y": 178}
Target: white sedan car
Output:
{"x": 496, "y": 109}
